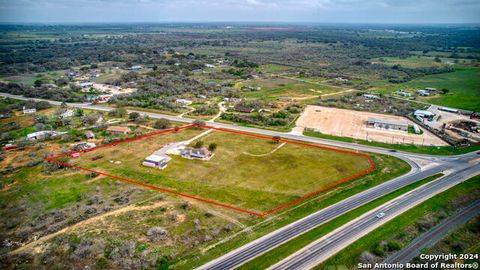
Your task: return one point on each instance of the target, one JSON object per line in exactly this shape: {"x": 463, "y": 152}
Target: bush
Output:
{"x": 162, "y": 124}
{"x": 198, "y": 144}
{"x": 134, "y": 116}
{"x": 212, "y": 147}
{"x": 199, "y": 122}
{"x": 119, "y": 112}
{"x": 393, "y": 246}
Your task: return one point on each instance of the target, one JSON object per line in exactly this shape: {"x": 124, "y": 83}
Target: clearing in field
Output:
{"x": 273, "y": 88}
{"x": 349, "y": 123}
{"x": 249, "y": 173}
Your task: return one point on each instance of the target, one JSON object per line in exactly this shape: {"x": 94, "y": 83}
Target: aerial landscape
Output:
{"x": 259, "y": 134}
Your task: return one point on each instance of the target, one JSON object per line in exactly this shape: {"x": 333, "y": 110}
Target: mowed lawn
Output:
{"x": 251, "y": 173}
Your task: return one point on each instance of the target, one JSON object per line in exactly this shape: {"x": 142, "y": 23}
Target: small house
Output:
{"x": 370, "y": 96}
{"x": 184, "y": 101}
{"x": 29, "y": 110}
{"x": 86, "y": 84}
{"x": 134, "y": 68}
{"x": 196, "y": 153}
{"x": 67, "y": 114}
{"x": 244, "y": 109}
{"x": 118, "y": 130}
{"x": 423, "y": 93}
{"x": 403, "y": 93}
{"x": 40, "y": 135}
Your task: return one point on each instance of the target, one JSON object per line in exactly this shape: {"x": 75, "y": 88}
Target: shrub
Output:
{"x": 198, "y": 144}
{"x": 393, "y": 246}
{"x": 212, "y": 147}
{"x": 162, "y": 123}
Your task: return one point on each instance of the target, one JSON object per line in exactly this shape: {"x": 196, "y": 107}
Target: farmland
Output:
{"x": 463, "y": 88}
{"x": 250, "y": 173}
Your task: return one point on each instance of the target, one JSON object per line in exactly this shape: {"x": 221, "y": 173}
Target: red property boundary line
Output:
{"x": 54, "y": 159}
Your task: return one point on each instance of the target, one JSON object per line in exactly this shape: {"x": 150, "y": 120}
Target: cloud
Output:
{"x": 388, "y": 11}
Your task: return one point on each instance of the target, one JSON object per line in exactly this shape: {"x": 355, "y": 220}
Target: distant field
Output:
{"x": 250, "y": 173}
{"x": 417, "y": 61}
{"x": 463, "y": 86}
{"x": 274, "y": 88}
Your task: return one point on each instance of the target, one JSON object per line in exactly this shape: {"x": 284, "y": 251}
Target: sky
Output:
{"x": 321, "y": 11}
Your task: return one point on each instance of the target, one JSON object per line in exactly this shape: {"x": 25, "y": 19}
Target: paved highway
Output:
{"x": 321, "y": 249}
{"x": 243, "y": 254}
{"x": 434, "y": 235}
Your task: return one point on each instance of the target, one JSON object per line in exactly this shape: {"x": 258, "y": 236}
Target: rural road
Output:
{"x": 235, "y": 258}
{"x": 321, "y": 249}
{"x": 434, "y": 235}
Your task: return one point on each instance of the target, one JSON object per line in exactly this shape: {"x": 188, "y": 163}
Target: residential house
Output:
{"x": 40, "y": 135}
{"x": 423, "y": 93}
{"x": 244, "y": 109}
{"x": 370, "y": 96}
{"x": 28, "y": 110}
{"x": 118, "y": 130}
{"x": 403, "y": 93}
{"x": 184, "y": 101}
{"x": 67, "y": 114}
{"x": 196, "y": 153}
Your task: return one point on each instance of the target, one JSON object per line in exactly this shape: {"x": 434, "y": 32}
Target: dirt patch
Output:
{"x": 349, "y": 123}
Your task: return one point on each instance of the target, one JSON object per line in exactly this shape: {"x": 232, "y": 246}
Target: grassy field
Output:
{"x": 389, "y": 168}
{"x": 404, "y": 228}
{"x": 274, "y": 88}
{"x": 417, "y": 61}
{"x": 250, "y": 173}
{"x": 292, "y": 246}
{"x": 463, "y": 86}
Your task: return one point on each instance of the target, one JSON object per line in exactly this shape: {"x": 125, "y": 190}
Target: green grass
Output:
{"x": 251, "y": 173}
{"x": 274, "y": 88}
{"x": 389, "y": 168}
{"x": 464, "y": 86}
{"x": 415, "y": 61}
{"x": 431, "y": 150}
{"x": 349, "y": 256}
{"x": 284, "y": 250}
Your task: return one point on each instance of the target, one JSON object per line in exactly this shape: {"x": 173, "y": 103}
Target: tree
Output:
{"x": 37, "y": 83}
{"x": 212, "y": 147}
{"x": 41, "y": 105}
{"x": 79, "y": 112}
{"x": 199, "y": 122}
{"x": 134, "y": 116}
{"x": 63, "y": 105}
{"x": 198, "y": 144}
{"x": 162, "y": 123}
{"x": 118, "y": 112}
